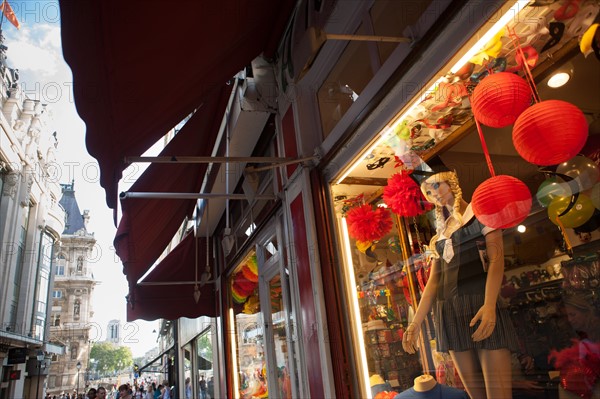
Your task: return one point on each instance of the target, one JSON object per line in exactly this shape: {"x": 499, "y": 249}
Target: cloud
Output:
{"x": 35, "y": 49}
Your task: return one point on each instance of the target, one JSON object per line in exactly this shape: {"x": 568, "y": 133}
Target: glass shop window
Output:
{"x": 361, "y": 60}
{"x": 394, "y": 18}
{"x": 248, "y": 340}
{"x": 188, "y": 371}
{"x": 204, "y": 356}
{"x": 344, "y": 83}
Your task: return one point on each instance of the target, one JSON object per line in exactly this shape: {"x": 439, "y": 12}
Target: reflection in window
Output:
{"x": 361, "y": 60}
{"x": 284, "y": 383}
{"x": 344, "y": 84}
{"x": 249, "y": 348}
{"x": 204, "y": 356}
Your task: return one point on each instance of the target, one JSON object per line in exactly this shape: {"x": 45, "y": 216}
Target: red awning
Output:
{"x": 149, "y": 224}
{"x": 171, "y": 301}
{"x": 139, "y": 67}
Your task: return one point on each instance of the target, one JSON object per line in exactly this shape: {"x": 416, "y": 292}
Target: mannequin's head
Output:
{"x": 443, "y": 190}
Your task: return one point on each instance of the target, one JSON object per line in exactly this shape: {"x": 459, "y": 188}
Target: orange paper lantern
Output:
{"x": 550, "y": 132}
{"x": 501, "y": 202}
{"x": 500, "y": 98}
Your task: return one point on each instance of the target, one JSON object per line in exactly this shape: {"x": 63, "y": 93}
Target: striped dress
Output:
{"x": 461, "y": 293}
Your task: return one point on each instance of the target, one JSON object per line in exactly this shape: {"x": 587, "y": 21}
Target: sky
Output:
{"x": 35, "y": 50}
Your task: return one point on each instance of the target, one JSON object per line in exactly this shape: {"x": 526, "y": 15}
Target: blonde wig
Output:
{"x": 454, "y": 221}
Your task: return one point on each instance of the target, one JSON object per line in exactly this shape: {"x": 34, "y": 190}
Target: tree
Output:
{"x": 110, "y": 357}
{"x": 205, "y": 346}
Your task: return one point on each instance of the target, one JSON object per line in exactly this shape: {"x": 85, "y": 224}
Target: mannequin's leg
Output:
{"x": 469, "y": 370}
{"x": 497, "y": 373}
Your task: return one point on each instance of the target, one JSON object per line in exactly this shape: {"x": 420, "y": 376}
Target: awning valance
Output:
{"x": 149, "y": 224}
{"x": 156, "y": 359}
{"x": 140, "y": 67}
{"x": 173, "y": 297}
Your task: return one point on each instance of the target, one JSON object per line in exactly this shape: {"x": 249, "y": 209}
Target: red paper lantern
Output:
{"x": 501, "y": 202}
{"x": 550, "y": 132}
{"x": 500, "y": 98}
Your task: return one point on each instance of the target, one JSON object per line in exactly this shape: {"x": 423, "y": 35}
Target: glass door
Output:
{"x": 279, "y": 327}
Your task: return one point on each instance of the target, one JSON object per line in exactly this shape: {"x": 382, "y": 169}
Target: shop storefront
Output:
{"x": 197, "y": 357}
{"x": 261, "y": 335}
{"x": 383, "y": 223}
{"x": 312, "y": 280}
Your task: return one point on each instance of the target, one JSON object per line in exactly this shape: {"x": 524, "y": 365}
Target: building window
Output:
{"x": 20, "y": 263}
{"x": 39, "y": 328}
{"x": 57, "y": 294}
{"x": 56, "y": 320}
{"x": 60, "y": 265}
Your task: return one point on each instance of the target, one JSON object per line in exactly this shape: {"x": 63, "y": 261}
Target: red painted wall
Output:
{"x": 308, "y": 317}
{"x": 289, "y": 139}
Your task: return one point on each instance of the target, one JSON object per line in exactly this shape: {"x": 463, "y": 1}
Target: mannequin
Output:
{"x": 469, "y": 324}
{"x": 424, "y": 383}
{"x": 427, "y": 387}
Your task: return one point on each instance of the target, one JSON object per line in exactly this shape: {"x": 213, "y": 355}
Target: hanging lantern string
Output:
{"x": 486, "y": 153}
{"x": 516, "y": 43}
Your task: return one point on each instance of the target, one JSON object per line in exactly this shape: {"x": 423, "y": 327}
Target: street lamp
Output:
{"x": 40, "y": 359}
{"x": 78, "y": 365}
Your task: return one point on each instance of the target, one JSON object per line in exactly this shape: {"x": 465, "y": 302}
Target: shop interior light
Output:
{"x": 521, "y": 228}
{"x": 501, "y": 23}
{"x": 384, "y": 135}
{"x": 355, "y": 310}
{"x": 561, "y": 76}
{"x": 236, "y": 382}
{"x": 487, "y": 36}
{"x": 558, "y": 80}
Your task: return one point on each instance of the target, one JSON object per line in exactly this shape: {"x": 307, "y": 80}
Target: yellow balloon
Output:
{"x": 577, "y": 215}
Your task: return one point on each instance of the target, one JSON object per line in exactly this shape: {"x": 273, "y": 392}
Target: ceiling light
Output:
{"x": 521, "y": 228}
{"x": 559, "y": 79}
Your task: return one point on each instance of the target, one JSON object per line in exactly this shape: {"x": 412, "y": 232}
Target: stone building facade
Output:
{"x": 31, "y": 221}
{"x": 71, "y": 313}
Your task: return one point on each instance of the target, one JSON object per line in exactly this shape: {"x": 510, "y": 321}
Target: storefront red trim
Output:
{"x": 149, "y": 224}
{"x": 171, "y": 301}
{"x": 139, "y": 68}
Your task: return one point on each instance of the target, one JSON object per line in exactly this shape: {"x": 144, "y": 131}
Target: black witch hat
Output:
{"x": 425, "y": 170}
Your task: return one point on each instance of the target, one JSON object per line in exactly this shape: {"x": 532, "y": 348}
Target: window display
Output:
{"x": 495, "y": 290}
{"x": 464, "y": 286}
{"x": 248, "y": 340}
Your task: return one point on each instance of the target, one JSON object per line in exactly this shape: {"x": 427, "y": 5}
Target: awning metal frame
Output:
{"x": 209, "y": 159}
{"x": 188, "y": 196}
{"x": 174, "y": 282}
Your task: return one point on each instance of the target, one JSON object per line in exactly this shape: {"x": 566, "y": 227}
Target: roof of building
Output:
{"x": 74, "y": 217}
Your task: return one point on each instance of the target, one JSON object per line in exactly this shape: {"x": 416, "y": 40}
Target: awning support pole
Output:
{"x": 252, "y": 169}
{"x": 184, "y": 159}
{"x": 368, "y": 38}
{"x": 161, "y": 195}
{"x": 172, "y": 282}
